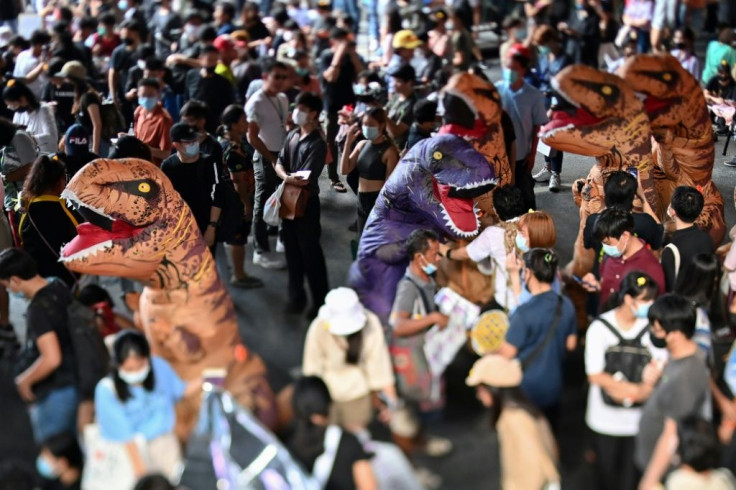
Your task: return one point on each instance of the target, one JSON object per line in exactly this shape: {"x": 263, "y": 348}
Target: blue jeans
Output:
{"x": 55, "y": 413}
{"x": 374, "y": 22}
{"x": 350, "y": 7}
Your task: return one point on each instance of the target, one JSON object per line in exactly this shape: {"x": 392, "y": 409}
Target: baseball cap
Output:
{"x": 55, "y": 65}
{"x": 183, "y": 132}
{"x": 405, "y": 39}
{"x": 6, "y": 33}
{"x": 72, "y": 69}
{"x": 495, "y": 370}
{"x": 403, "y": 72}
{"x": 223, "y": 43}
{"x": 519, "y": 50}
{"x": 76, "y": 140}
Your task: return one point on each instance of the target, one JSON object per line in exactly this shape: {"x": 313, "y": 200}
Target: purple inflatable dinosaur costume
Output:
{"x": 432, "y": 188}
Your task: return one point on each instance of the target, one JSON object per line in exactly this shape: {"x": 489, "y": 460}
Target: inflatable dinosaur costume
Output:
{"x": 433, "y": 188}
{"x": 683, "y": 146}
{"x": 140, "y": 228}
{"x": 600, "y": 117}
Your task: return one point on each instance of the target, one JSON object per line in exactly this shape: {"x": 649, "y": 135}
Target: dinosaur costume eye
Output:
{"x": 608, "y": 91}
{"x": 145, "y": 188}
{"x": 669, "y": 78}
{"x": 437, "y": 155}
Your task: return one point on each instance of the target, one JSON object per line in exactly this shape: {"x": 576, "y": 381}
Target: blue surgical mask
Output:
{"x": 192, "y": 149}
{"x": 612, "y": 250}
{"x": 17, "y": 294}
{"x": 302, "y": 71}
{"x": 543, "y": 50}
{"x": 429, "y": 269}
{"x": 148, "y": 103}
{"x": 123, "y": 5}
{"x": 510, "y": 76}
{"x": 45, "y": 469}
{"x": 642, "y": 311}
{"x": 579, "y": 6}
{"x": 521, "y": 243}
{"x": 370, "y": 132}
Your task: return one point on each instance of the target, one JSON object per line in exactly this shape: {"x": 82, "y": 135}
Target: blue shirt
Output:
{"x": 525, "y": 295}
{"x": 149, "y": 413}
{"x": 525, "y": 107}
{"x": 542, "y": 381}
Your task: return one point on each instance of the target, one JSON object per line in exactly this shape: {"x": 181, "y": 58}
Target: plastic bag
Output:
{"x": 273, "y": 206}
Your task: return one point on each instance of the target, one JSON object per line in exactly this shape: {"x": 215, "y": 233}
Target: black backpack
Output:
{"x": 629, "y": 358}
{"x": 90, "y": 352}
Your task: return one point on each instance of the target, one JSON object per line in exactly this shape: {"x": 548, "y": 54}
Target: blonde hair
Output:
{"x": 540, "y": 227}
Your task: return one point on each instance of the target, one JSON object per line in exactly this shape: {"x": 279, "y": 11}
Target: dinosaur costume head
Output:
{"x": 134, "y": 216}
{"x": 432, "y": 188}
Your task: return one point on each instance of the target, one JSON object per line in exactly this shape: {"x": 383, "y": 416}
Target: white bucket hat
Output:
{"x": 342, "y": 313}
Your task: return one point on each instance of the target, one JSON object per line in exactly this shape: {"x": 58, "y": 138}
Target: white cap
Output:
{"x": 6, "y": 34}
{"x": 342, "y": 313}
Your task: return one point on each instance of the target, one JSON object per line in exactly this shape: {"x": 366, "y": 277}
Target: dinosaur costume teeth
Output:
{"x": 140, "y": 228}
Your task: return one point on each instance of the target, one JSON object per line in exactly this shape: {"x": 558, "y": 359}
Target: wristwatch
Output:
{"x": 213, "y": 224}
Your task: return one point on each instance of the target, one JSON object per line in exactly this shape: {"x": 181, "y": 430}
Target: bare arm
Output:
{"x": 507, "y": 350}
{"x": 244, "y": 186}
{"x": 405, "y": 326}
{"x": 139, "y": 468}
{"x": 396, "y": 129}
{"x": 571, "y": 342}
{"x": 333, "y": 71}
{"x": 257, "y": 143}
{"x": 363, "y": 475}
{"x": 349, "y": 159}
{"x": 391, "y": 159}
{"x": 660, "y": 460}
{"x": 94, "y": 115}
{"x": 112, "y": 83}
{"x": 48, "y": 360}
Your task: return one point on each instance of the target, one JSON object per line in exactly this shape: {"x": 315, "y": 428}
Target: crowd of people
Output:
{"x": 244, "y": 96}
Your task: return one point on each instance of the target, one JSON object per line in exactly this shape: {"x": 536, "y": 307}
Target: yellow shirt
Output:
{"x": 226, "y": 72}
{"x": 324, "y": 356}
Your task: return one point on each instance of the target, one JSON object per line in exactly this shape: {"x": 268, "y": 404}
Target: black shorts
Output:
{"x": 241, "y": 237}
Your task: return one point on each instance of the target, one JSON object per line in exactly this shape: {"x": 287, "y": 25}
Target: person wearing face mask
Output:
{"x": 525, "y": 106}
{"x": 425, "y": 122}
{"x": 197, "y": 177}
{"x": 209, "y": 87}
{"x": 683, "y": 41}
{"x": 413, "y": 313}
{"x": 375, "y": 157}
{"x": 687, "y": 240}
{"x": 61, "y": 462}
{"x": 623, "y": 252}
{"x": 464, "y": 50}
{"x": 37, "y": 117}
{"x": 582, "y": 33}
{"x": 151, "y": 122}
{"x": 540, "y": 331}
{"x": 681, "y": 393}
{"x": 137, "y": 401}
{"x": 29, "y": 59}
{"x": 304, "y": 150}
{"x": 614, "y": 419}
{"x": 123, "y": 58}
{"x": 105, "y": 40}
{"x": 305, "y": 81}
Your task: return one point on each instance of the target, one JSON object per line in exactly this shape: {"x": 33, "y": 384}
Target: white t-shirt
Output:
{"x": 271, "y": 114}
{"x": 489, "y": 252}
{"x": 600, "y": 417}
{"x": 41, "y": 125}
{"x": 24, "y": 64}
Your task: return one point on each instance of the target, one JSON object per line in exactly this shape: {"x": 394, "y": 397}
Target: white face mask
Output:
{"x": 299, "y": 118}
{"x": 135, "y": 377}
{"x": 190, "y": 30}
{"x": 141, "y": 64}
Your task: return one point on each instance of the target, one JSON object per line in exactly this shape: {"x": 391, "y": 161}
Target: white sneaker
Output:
{"x": 427, "y": 478}
{"x": 554, "y": 182}
{"x": 279, "y": 246}
{"x": 542, "y": 176}
{"x": 266, "y": 262}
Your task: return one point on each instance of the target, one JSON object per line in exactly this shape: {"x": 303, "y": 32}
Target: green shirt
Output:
{"x": 717, "y": 52}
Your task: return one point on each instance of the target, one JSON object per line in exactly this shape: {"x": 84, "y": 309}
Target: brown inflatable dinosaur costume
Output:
{"x": 467, "y": 97}
{"x": 604, "y": 119}
{"x": 683, "y": 147}
{"x": 140, "y": 228}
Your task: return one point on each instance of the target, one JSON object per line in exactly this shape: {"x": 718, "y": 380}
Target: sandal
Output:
{"x": 338, "y": 186}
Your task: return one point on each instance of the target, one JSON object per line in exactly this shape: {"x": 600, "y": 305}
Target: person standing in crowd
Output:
{"x": 20, "y": 151}
{"x": 59, "y": 94}
{"x": 687, "y": 240}
{"x": 719, "y": 50}
{"x": 209, "y": 87}
{"x": 196, "y": 113}
{"x": 61, "y": 462}
{"x": 87, "y": 103}
{"x": 401, "y": 105}
{"x": 105, "y": 40}
{"x": 613, "y": 420}
{"x": 528, "y": 449}
{"x": 582, "y": 33}
{"x": 413, "y": 313}
{"x": 151, "y": 122}
{"x": 338, "y": 68}
{"x": 623, "y": 252}
{"x": 425, "y": 122}
{"x": 540, "y": 331}
{"x": 683, "y": 41}
{"x": 47, "y": 381}
{"x": 267, "y": 111}
{"x": 138, "y": 398}
{"x": 374, "y": 157}
{"x": 681, "y": 393}
{"x": 197, "y": 178}
{"x": 304, "y": 150}
{"x": 123, "y": 58}
{"x": 36, "y": 117}
{"x": 346, "y": 347}
{"x": 28, "y": 61}
{"x": 525, "y": 106}
{"x": 464, "y": 50}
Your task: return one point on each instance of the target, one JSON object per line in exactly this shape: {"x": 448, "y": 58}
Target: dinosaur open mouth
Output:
{"x": 458, "y": 208}
{"x": 568, "y": 119}
{"x": 97, "y": 233}
{"x": 655, "y": 106}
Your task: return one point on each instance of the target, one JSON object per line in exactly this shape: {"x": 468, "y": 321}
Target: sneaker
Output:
{"x": 246, "y": 282}
{"x": 436, "y": 447}
{"x": 428, "y": 479}
{"x": 730, "y": 163}
{"x": 543, "y": 175}
{"x": 279, "y": 246}
{"x": 554, "y": 182}
{"x": 262, "y": 260}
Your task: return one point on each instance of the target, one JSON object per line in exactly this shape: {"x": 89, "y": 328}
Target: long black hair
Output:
{"x": 15, "y": 90}
{"x": 355, "y": 347}
{"x": 311, "y": 397}
{"x": 46, "y": 172}
{"x": 509, "y": 398}
{"x": 127, "y": 343}
{"x": 701, "y": 288}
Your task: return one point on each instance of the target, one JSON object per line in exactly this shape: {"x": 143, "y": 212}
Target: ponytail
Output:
{"x": 355, "y": 346}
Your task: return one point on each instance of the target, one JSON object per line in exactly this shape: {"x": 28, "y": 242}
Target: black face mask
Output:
{"x": 658, "y": 342}
{"x": 20, "y": 109}
{"x": 680, "y": 46}
{"x": 128, "y": 41}
{"x": 210, "y": 70}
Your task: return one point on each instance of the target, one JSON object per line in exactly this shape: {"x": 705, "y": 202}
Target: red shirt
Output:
{"x": 614, "y": 269}
{"x": 107, "y": 44}
{"x": 153, "y": 128}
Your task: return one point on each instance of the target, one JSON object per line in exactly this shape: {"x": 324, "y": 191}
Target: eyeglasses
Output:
{"x": 280, "y": 77}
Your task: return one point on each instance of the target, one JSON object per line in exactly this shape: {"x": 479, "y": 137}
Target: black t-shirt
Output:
{"x": 215, "y": 90}
{"x": 238, "y": 157}
{"x": 121, "y": 61}
{"x": 415, "y": 135}
{"x": 306, "y": 153}
{"x": 727, "y": 92}
{"x": 349, "y": 451}
{"x": 87, "y": 99}
{"x": 340, "y": 92}
{"x": 47, "y": 312}
{"x": 689, "y": 242}
{"x": 198, "y": 183}
{"x": 644, "y": 227}
{"x": 64, "y": 98}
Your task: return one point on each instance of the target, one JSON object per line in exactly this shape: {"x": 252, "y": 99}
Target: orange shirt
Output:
{"x": 153, "y": 128}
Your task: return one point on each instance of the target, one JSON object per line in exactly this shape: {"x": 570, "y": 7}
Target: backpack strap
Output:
{"x": 425, "y": 301}
{"x": 676, "y": 254}
{"x": 610, "y": 327}
{"x": 324, "y": 463}
{"x": 550, "y": 333}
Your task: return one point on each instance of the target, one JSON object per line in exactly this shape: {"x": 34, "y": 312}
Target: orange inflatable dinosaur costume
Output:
{"x": 140, "y": 228}
{"x": 683, "y": 146}
{"x": 601, "y": 117}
